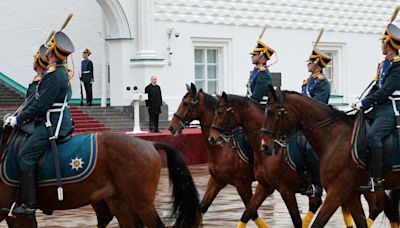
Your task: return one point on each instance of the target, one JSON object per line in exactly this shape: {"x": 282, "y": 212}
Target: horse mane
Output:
{"x": 332, "y": 111}
{"x": 210, "y": 101}
{"x": 243, "y": 101}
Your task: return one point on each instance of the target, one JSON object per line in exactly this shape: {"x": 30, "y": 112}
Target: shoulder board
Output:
{"x": 305, "y": 81}
{"x": 51, "y": 68}
{"x": 396, "y": 58}
{"x": 262, "y": 68}
{"x": 320, "y": 76}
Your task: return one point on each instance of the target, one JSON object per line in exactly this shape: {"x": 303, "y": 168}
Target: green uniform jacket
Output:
{"x": 53, "y": 88}
{"x": 320, "y": 92}
{"x": 259, "y": 86}
{"x": 378, "y": 97}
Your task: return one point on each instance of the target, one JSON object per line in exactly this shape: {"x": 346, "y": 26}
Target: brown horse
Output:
{"x": 224, "y": 163}
{"x": 271, "y": 172}
{"x": 329, "y": 132}
{"x": 126, "y": 177}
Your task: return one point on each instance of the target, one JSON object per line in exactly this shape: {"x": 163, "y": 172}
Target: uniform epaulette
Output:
{"x": 319, "y": 76}
{"x": 396, "y": 58}
{"x": 262, "y": 68}
{"x": 305, "y": 81}
{"x": 51, "y": 68}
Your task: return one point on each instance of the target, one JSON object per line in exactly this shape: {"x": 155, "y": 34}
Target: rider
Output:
{"x": 39, "y": 65}
{"x": 382, "y": 116}
{"x": 52, "y": 91}
{"x": 260, "y": 77}
{"x": 317, "y": 87}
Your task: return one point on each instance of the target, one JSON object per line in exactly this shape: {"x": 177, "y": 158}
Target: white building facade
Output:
{"x": 206, "y": 42}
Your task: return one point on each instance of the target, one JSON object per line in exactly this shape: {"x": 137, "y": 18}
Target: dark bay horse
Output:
{"x": 224, "y": 163}
{"x": 126, "y": 176}
{"x": 271, "y": 172}
{"x": 329, "y": 132}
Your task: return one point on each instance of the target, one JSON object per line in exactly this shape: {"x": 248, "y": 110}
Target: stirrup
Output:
{"x": 9, "y": 211}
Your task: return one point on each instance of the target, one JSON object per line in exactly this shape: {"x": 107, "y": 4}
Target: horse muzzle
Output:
{"x": 175, "y": 131}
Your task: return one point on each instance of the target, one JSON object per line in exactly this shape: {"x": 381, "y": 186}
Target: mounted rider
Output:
{"x": 39, "y": 65}
{"x": 260, "y": 77}
{"x": 317, "y": 87}
{"x": 383, "y": 99}
{"x": 49, "y": 105}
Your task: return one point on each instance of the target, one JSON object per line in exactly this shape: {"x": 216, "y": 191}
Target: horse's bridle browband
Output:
{"x": 184, "y": 119}
{"x": 279, "y": 139}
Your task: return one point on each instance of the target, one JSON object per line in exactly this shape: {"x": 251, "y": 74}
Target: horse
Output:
{"x": 224, "y": 163}
{"x": 125, "y": 176}
{"x": 271, "y": 172}
{"x": 329, "y": 132}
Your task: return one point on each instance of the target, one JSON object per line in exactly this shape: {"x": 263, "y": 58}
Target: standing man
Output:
{"x": 260, "y": 77}
{"x": 87, "y": 75}
{"x": 381, "y": 98}
{"x": 52, "y": 91}
{"x": 153, "y": 103}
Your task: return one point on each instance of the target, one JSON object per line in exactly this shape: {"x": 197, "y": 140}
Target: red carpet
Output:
{"x": 189, "y": 144}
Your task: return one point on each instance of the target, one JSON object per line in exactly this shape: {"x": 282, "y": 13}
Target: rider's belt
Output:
{"x": 86, "y": 72}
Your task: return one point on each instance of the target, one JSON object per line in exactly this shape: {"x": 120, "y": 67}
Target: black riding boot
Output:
{"x": 375, "y": 182}
{"x": 315, "y": 187}
{"x": 28, "y": 195}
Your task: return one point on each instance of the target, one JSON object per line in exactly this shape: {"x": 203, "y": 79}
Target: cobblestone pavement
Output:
{"x": 225, "y": 211}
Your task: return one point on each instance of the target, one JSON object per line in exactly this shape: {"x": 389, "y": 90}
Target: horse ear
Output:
{"x": 192, "y": 90}
{"x": 188, "y": 87}
{"x": 224, "y": 95}
{"x": 272, "y": 94}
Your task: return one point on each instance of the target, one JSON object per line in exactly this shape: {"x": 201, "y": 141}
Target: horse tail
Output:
{"x": 185, "y": 196}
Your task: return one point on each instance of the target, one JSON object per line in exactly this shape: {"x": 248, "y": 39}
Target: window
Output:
{"x": 206, "y": 63}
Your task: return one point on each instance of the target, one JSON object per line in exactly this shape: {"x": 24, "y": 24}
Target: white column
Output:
{"x": 104, "y": 69}
{"x": 145, "y": 30}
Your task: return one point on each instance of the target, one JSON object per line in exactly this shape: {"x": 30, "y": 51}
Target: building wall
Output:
{"x": 26, "y": 24}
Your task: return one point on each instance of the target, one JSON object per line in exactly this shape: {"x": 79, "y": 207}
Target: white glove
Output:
{"x": 11, "y": 121}
{"x": 357, "y": 105}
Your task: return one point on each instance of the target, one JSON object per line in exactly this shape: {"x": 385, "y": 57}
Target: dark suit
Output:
{"x": 87, "y": 79}
{"x": 153, "y": 103}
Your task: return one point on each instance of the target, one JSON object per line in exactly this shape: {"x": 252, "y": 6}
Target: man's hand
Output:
{"x": 10, "y": 121}
{"x": 357, "y": 104}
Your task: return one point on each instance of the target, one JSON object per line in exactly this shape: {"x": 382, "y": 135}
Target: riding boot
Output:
{"x": 315, "y": 187}
{"x": 375, "y": 182}
{"x": 28, "y": 194}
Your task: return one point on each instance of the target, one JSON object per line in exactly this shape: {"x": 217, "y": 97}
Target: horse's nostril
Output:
{"x": 212, "y": 140}
{"x": 265, "y": 150}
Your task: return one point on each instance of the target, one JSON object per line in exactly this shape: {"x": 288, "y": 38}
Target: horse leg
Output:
{"x": 262, "y": 191}
{"x": 103, "y": 213}
{"x": 125, "y": 214}
{"x": 376, "y": 203}
{"x": 354, "y": 204}
{"x": 245, "y": 192}
{"x": 347, "y": 218}
{"x": 328, "y": 208}
{"x": 291, "y": 203}
{"x": 313, "y": 204}
{"x": 392, "y": 207}
{"x": 213, "y": 188}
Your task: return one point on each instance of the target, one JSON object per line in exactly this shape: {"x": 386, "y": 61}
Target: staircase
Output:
{"x": 111, "y": 117}
{"x": 10, "y": 96}
{"x": 85, "y": 123}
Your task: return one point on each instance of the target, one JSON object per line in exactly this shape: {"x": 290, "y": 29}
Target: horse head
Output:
{"x": 186, "y": 112}
{"x": 224, "y": 121}
{"x": 276, "y": 125}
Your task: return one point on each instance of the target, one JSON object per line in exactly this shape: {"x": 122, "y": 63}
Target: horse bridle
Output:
{"x": 277, "y": 137}
{"x": 184, "y": 119}
{"x": 224, "y": 131}
{"x": 276, "y": 133}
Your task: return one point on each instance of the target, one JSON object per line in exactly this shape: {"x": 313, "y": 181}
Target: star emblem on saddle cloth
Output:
{"x": 76, "y": 163}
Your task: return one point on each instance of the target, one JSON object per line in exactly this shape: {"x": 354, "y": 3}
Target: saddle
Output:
{"x": 359, "y": 149}
{"x": 298, "y": 151}
{"x": 242, "y": 145}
